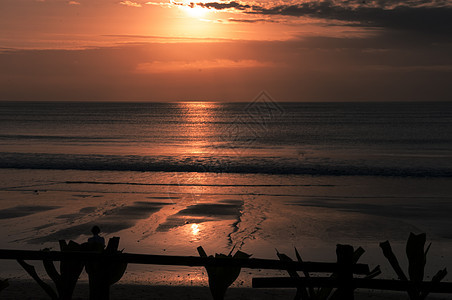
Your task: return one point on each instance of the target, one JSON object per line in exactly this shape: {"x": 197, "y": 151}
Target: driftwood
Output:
{"x": 104, "y": 272}
{"x": 344, "y": 269}
{"x": 221, "y": 277}
{"x": 345, "y": 283}
{"x": 417, "y": 258}
{"x": 346, "y": 258}
{"x": 65, "y": 280}
{"x": 32, "y": 272}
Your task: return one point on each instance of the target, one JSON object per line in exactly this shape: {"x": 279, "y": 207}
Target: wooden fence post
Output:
{"x": 345, "y": 272}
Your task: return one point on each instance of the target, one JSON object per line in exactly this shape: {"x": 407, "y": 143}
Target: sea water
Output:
{"x": 168, "y": 177}
{"x": 382, "y": 139}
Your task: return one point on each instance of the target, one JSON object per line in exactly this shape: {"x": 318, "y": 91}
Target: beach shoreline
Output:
{"x": 255, "y": 213}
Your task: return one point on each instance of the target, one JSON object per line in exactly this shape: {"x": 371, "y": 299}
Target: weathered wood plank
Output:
{"x": 193, "y": 261}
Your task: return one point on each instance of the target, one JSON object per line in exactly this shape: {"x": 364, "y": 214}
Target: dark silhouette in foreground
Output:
{"x": 65, "y": 280}
{"x": 107, "y": 266}
{"x": 102, "y": 273}
{"x": 417, "y": 259}
{"x": 343, "y": 279}
{"x": 96, "y": 238}
{"x": 221, "y": 277}
{"x": 346, "y": 257}
{"x": 3, "y": 284}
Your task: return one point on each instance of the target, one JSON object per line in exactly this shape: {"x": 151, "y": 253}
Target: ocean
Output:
{"x": 371, "y": 139}
{"x": 168, "y": 177}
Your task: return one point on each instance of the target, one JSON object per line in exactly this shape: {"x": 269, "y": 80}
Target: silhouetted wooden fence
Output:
{"x": 346, "y": 284}
{"x": 344, "y": 269}
{"x": 191, "y": 261}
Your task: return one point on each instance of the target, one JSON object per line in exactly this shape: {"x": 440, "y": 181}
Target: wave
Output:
{"x": 254, "y": 165}
{"x": 53, "y": 137}
{"x": 194, "y": 184}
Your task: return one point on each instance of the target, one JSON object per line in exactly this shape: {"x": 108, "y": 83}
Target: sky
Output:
{"x": 295, "y": 50}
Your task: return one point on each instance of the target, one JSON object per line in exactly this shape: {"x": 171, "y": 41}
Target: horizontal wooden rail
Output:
{"x": 252, "y": 263}
{"x": 376, "y": 284}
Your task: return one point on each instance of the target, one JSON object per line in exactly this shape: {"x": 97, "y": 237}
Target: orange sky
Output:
{"x": 169, "y": 51}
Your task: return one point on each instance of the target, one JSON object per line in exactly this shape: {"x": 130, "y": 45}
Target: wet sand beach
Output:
{"x": 27, "y": 290}
{"x": 254, "y": 213}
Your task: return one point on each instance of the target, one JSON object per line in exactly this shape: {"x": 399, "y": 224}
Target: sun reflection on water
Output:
{"x": 193, "y": 232}
{"x": 194, "y": 229}
{"x": 199, "y": 126}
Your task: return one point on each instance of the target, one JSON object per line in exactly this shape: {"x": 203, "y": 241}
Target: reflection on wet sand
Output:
{"x": 203, "y": 212}
{"x": 224, "y": 210}
{"x": 195, "y": 229}
{"x": 111, "y": 221}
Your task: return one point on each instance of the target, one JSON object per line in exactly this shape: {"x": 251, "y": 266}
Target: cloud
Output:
{"x": 161, "y": 4}
{"x": 133, "y": 38}
{"x": 222, "y": 5}
{"x": 310, "y": 69}
{"x": 403, "y": 14}
{"x": 233, "y": 20}
{"x": 130, "y": 3}
{"x": 432, "y": 68}
{"x": 198, "y": 65}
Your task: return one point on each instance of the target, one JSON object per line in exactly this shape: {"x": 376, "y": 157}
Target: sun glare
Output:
{"x": 195, "y": 11}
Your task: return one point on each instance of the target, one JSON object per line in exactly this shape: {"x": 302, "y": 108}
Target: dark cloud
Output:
{"x": 403, "y": 17}
{"x": 414, "y": 15}
{"x": 222, "y": 5}
{"x": 252, "y": 20}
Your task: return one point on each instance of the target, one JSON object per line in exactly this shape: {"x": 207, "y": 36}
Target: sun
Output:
{"x": 195, "y": 11}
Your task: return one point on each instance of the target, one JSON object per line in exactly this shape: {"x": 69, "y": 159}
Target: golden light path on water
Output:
{"x": 198, "y": 117}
